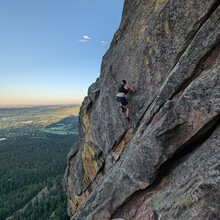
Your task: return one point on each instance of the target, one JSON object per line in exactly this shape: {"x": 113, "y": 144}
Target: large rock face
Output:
{"x": 165, "y": 164}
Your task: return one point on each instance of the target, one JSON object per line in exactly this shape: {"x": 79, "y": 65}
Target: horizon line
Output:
{"x": 35, "y": 105}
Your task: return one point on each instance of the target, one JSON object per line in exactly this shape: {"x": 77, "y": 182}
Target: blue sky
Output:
{"x": 51, "y": 50}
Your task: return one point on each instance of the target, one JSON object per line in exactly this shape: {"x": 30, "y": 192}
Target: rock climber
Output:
{"x": 122, "y": 91}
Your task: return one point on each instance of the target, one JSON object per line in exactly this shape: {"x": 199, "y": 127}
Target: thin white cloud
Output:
{"x": 82, "y": 41}
{"x": 104, "y": 42}
{"x": 86, "y": 37}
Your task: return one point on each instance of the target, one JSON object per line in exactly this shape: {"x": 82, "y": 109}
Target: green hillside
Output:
{"x": 34, "y": 143}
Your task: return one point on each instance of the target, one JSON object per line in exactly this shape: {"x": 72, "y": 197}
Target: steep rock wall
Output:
{"x": 169, "y": 51}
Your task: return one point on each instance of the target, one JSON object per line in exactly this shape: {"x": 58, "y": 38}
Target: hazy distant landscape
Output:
{"x": 37, "y": 121}
{"x": 34, "y": 143}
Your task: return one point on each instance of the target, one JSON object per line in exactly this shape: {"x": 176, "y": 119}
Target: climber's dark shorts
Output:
{"x": 122, "y": 100}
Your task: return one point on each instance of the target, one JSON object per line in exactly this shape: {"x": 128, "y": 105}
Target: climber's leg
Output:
{"x": 122, "y": 108}
{"x": 127, "y": 112}
{"x": 123, "y": 102}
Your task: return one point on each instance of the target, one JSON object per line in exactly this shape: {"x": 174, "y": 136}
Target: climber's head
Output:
{"x": 123, "y": 81}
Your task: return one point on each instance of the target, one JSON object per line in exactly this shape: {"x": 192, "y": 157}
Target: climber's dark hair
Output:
{"x": 124, "y": 81}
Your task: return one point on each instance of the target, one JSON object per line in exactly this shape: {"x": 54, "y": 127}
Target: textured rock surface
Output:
{"x": 188, "y": 190}
{"x": 169, "y": 50}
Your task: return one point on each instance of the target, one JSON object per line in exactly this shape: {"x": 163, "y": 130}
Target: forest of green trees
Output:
{"x": 52, "y": 206}
{"x": 30, "y": 164}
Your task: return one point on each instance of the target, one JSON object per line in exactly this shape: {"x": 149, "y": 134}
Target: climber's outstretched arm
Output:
{"x": 132, "y": 89}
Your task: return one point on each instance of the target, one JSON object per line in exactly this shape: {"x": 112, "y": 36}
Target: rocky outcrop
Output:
{"x": 165, "y": 163}
{"x": 187, "y": 186}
